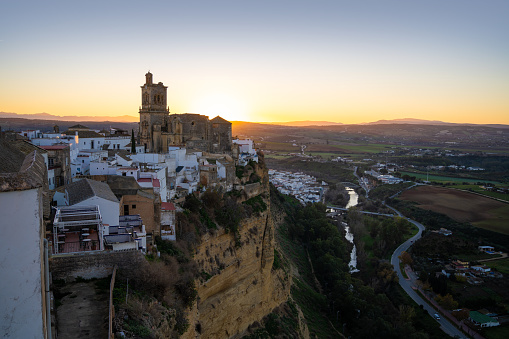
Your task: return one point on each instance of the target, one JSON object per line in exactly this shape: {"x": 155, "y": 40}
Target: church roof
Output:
{"x": 84, "y": 189}
{"x": 219, "y": 120}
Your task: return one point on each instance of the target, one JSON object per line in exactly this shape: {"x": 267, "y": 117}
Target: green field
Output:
{"x": 444, "y": 179}
{"x": 499, "y": 332}
{"x": 480, "y": 190}
{"x": 501, "y": 265}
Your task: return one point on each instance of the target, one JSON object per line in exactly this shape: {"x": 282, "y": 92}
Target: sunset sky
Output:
{"x": 341, "y": 61}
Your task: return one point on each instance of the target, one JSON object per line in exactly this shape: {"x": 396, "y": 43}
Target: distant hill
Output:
{"x": 408, "y": 121}
{"x": 19, "y": 124}
{"x": 303, "y": 123}
{"x": 47, "y": 116}
{"x": 411, "y": 121}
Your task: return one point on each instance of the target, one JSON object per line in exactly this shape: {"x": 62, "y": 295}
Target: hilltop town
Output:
{"x": 82, "y": 195}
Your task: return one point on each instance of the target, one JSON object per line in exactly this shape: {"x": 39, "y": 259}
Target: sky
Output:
{"x": 260, "y": 61}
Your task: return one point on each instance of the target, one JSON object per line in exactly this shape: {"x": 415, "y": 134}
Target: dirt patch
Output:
{"x": 461, "y": 206}
{"x": 83, "y": 311}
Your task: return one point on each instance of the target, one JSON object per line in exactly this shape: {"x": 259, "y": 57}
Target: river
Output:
{"x": 354, "y": 198}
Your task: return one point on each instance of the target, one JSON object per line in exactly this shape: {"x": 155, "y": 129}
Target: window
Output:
{"x": 126, "y": 209}
{"x": 133, "y": 206}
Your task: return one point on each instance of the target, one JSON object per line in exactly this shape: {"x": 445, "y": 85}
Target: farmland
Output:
{"x": 462, "y": 206}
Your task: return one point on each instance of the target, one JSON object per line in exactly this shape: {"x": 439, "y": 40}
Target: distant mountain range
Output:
{"x": 131, "y": 119}
{"x": 303, "y": 123}
{"x": 47, "y": 116}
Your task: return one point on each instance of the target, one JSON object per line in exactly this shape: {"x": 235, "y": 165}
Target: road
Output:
{"x": 409, "y": 285}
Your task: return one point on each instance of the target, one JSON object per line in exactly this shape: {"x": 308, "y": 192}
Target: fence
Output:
{"x": 111, "y": 314}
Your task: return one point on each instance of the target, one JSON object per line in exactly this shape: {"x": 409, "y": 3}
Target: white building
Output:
{"x": 24, "y": 302}
{"x": 81, "y": 165}
{"x": 86, "y": 192}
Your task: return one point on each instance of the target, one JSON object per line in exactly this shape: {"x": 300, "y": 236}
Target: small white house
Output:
{"x": 86, "y": 192}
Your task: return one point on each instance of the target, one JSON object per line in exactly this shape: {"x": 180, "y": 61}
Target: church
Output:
{"x": 159, "y": 129}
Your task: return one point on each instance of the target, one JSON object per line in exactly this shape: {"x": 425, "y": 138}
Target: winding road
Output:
{"x": 409, "y": 285}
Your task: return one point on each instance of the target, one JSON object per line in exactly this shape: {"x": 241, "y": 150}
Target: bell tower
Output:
{"x": 153, "y": 114}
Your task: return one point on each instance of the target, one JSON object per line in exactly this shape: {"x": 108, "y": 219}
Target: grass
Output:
{"x": 480, "y": 190}
{"x": 363, "y": 148}
{"x": 501, "y": 265}
{"x": 478, "y": 256}
{"x": 303, "y": 290}
{"x": 498, "y": 220}
{"x": 312, "y": 303}
{"x": 499, "y": 332}
{"x": 462, "y": 206}
{"x": 403, "y": 272}
{"x": 276, "y": 156}
{"x": 444, "y": 179}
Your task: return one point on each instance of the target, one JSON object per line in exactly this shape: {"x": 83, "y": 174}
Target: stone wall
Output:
{"x": 92, "y": 264}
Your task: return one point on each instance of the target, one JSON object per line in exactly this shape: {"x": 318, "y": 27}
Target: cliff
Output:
{"x": 239, "y": 285}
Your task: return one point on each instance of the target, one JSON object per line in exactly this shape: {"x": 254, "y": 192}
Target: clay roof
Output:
{"x": 124, "y": 156}
{"x": 167, "y": 206}
{"x": 84, "y": 189}
{"x": 27, "y": 147}
{"x": 30, "y": 174}
{"x": 11, "y": 158}
{"x": 121, "y": 185}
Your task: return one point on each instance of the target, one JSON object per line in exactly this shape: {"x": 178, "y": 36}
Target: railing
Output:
{"x": 111, "y": 313}
{"x": 76, "y": 246}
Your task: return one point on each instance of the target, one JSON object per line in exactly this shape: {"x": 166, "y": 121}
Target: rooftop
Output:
{"x": 167, "y": 206}
{"x": 84, "y": 189}
{"x": 481, "y": 318}
{"x": 54, "y": 147}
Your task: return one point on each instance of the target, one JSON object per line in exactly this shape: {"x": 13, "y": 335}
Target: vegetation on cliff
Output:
{"x": 331, "y": 299}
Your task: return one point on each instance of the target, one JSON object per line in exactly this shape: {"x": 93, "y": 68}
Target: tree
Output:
{"x": 133, "y": 142}
{"x": 406, "y": 258}
{"x": 446, "y": 301}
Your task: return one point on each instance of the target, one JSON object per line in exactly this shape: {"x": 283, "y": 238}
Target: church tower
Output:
{"x": 153, "y": 116}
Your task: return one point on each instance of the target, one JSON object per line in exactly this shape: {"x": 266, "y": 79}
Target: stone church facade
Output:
{"x": 159, "y": 129}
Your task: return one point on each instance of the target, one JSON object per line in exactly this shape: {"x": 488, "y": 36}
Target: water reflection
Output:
{"x": 354, "y": 199}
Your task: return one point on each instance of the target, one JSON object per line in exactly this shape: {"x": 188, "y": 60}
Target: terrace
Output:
{"x": 130, "y": 234}
{"x": 77, "y": 229}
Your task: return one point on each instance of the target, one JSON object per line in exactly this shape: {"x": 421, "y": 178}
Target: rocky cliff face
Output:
{"x": 239, "y": 285}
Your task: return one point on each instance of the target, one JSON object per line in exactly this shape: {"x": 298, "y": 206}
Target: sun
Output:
{"x": 226, "y": 106}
